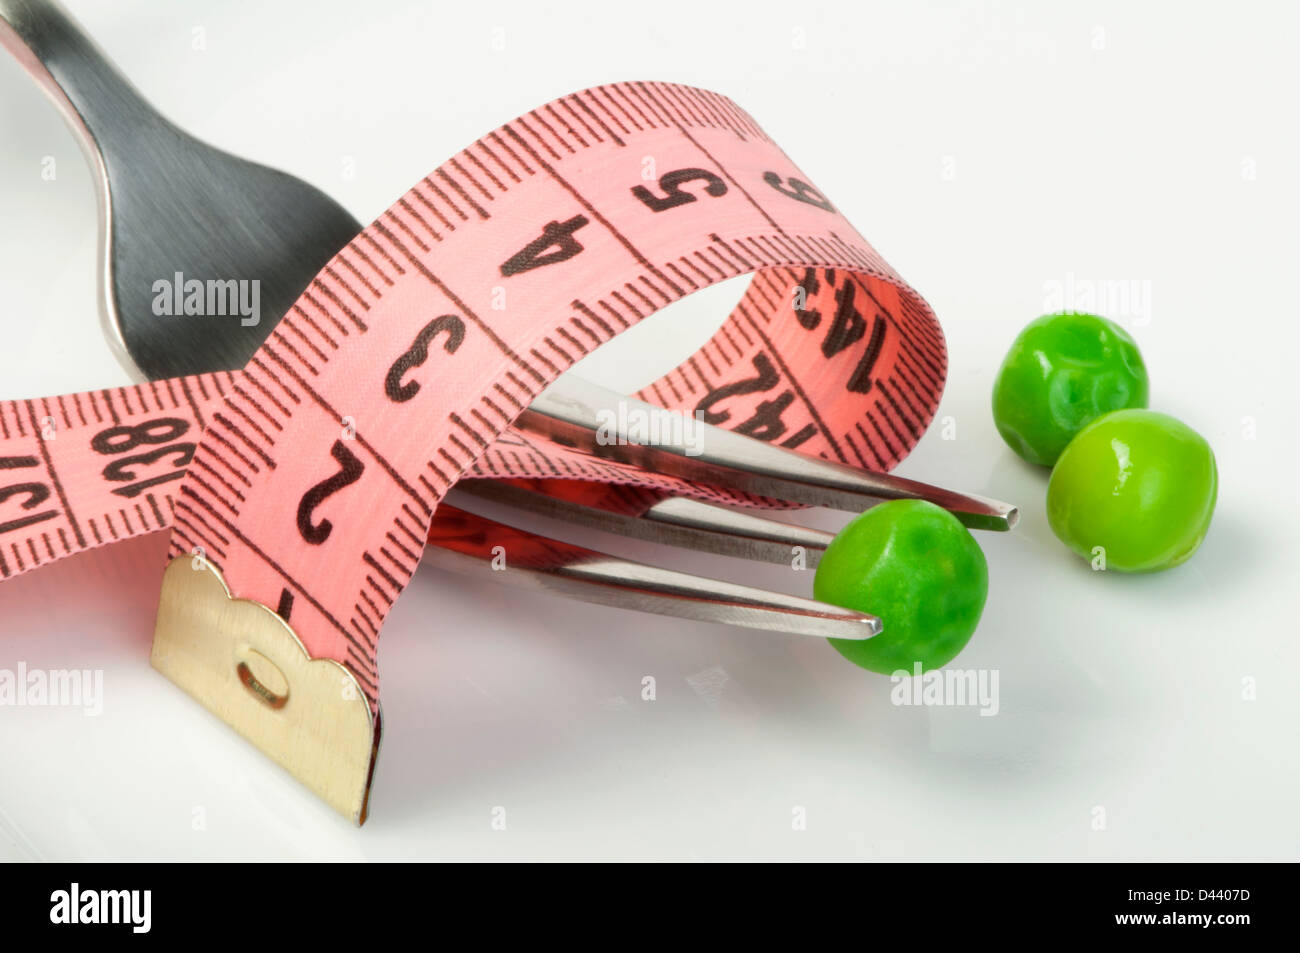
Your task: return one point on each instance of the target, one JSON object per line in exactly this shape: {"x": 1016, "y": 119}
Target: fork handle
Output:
{"x": 98, "y": 102}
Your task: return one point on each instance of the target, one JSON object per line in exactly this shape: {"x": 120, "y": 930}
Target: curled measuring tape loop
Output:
{"x": 301, "y": 490}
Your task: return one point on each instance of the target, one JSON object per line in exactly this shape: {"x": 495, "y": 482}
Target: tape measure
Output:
{"x": 300, "y": 491}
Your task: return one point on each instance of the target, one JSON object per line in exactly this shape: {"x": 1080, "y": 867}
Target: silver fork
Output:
{"x": 258, "y": 222}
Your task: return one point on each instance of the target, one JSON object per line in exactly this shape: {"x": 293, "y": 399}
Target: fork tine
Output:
{"x": 576, "y": 413}
{"x": 675, "y": 521}
{"x": 465, "y": 542}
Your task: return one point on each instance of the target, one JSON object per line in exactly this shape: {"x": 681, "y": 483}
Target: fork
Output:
{"x": 258, "y": 221}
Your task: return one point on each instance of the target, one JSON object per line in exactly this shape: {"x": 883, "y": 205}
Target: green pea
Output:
{"x": 916, "y": 567}
{"x": 1063, "y": 372}
{"x": 1139, "y": 485}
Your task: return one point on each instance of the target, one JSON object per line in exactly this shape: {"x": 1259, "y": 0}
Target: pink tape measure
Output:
{"x": 300, "y": 491}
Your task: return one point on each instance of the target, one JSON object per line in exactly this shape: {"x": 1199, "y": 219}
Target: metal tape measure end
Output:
{"x": 246, "y": 665}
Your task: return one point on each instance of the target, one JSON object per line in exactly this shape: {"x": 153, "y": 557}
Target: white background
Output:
{"x": 990, "y": 151}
